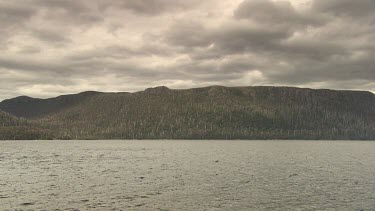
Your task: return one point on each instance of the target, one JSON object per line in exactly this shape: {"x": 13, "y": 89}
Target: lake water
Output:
{"x": 187, "y": 175}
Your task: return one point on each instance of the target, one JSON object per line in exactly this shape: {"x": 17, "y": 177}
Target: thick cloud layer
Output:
{"x": 53, "y": 47}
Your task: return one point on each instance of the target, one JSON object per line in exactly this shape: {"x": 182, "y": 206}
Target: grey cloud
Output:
{"x": 50, "y": 36}
{"x": 312, "y": 49}
{"x": 156, "y": 49}
{"x": 296, "y": 49}
{"x": 183, "y": 44}
{"x": 10, "y": 13}
{"x": 115, "y": 52}
{"x": 34, "y": 66}
{"x": 188, "y": 34}
{"x": 239, "y": 65}
{"x": 242, "y": 38}
{"x": 12, "y": 18}
{"x": 30, "y": 49}
{"x": 94, "y": 63}
{"x": 69, "y": 11}
{"x": 215, "y": 70}
{"x": 230, "y": 38}
{"x": 71, "y": 6}
{"x": 58, "y": 19}
{"x": 349, "y": 8}
{"x": 19, "y": 82}
{"x": 77, "y": 11}
{"x": 150, "y": 7}
{"x": 341, "y": 70}
{"x": 274, "y": 13}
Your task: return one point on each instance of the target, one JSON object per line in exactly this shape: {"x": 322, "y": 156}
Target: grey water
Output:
{"x": 187, "y": 175}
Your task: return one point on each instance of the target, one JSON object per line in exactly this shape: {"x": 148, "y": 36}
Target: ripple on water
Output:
{"x": 187, "y": 175}
{"x": 27, "y": 203}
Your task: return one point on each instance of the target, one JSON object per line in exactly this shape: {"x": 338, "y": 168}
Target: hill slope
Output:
{"x": 214, "y": 113}
{"x": 28, "y": 107}
{"x": 13, "y": 128}
{"x": 7, "y": 120}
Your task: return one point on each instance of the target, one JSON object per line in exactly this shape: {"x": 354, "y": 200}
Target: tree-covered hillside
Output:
{"x": 13, "y": 128}
{"x": 7, "y": 120}
{"x": 216, "y": 113}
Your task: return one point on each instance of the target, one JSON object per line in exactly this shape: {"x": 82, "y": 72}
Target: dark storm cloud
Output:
{"x": 51, "y": 47}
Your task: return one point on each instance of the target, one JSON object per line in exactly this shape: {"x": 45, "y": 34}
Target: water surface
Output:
{"x": 187, "y": 175}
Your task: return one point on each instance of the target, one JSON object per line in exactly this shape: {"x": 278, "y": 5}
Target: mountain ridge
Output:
{"x": 167, "y": 88}
{"x": 214, "y": 112}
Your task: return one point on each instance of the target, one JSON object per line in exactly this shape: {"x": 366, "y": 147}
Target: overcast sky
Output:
{"x": 54, "y": 47}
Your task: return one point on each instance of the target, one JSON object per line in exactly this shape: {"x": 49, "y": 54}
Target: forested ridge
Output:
{"x": 215, "y": 112}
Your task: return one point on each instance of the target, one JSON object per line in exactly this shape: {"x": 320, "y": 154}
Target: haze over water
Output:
{"x": 187, "y": 175}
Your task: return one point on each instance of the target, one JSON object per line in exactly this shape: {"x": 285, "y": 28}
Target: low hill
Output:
{"x": 212, "y": 113}
{"x": 28, "y": 107}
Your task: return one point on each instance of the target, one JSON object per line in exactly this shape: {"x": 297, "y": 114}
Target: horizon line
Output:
{"x": 198, "y": 87}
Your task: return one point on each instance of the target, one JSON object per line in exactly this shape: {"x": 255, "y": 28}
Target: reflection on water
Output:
{"x": 187, "y": 175}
